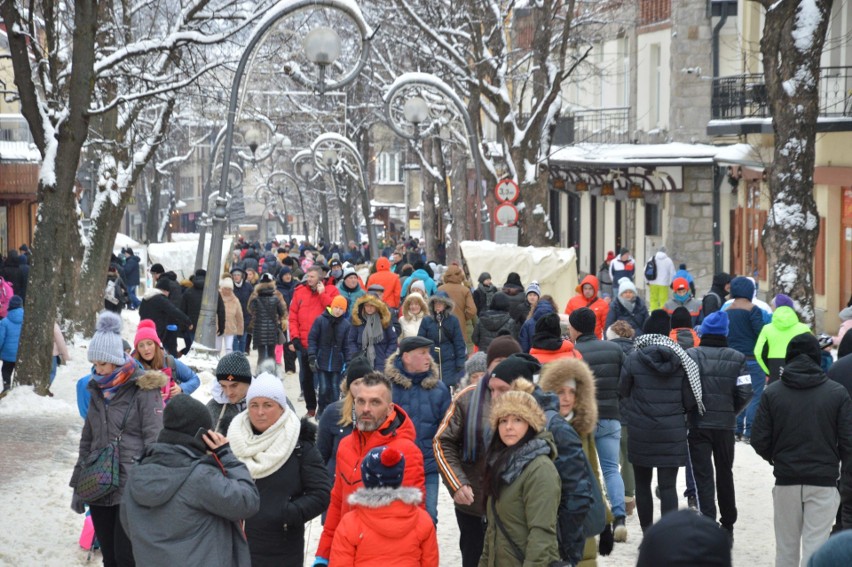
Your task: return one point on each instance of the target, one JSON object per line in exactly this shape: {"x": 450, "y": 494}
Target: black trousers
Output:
{"x": 289, "y": 359}
{"x": 265, "y": 352}
{"x": 471, "y": 538}
{"x": 115, "y": 545}
{"x": 713, "y": 449}
{"x": 666, "y": 480}
{"x": 8, "y": 369}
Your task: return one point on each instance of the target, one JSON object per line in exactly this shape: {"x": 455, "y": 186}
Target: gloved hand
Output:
{"x": 77, "y": 504}
{"x": 606, "y": 542}
{"x": 297, "y": 342}
{"x": 312, "y": 363}
{"x": 320, "y": 562}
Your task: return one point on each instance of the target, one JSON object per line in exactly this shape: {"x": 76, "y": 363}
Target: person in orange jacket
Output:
{"x": 587, "y": 296}
{"x": 548, "y": 344}
{"x": 388, "y": 280}
{"x": 377, "y": 422}
{"x": 386, "y": 525}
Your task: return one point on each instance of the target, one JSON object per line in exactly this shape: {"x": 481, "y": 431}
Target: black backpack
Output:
{"x": 651, "y": 269}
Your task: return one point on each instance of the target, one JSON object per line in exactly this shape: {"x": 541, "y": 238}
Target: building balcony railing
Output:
{"x": 593, "y": 126}
{"x": 740, "y": 97}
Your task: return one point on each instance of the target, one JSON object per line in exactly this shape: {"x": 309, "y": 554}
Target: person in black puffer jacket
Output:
{"x": 605, "y": 359}
{"x": 654, "y": 380}
{"x": 269, "y": 317}
{"x": 243, "y": 290}
{"x": 494, "y": 322}
{"x": 190, "y": 303}
{"x": 803, "y": 428}
{"x": 726, "y": 391}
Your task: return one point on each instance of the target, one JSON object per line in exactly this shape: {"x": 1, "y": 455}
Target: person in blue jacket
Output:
{"x": 149, "y": 353}
{"x": 443, "y": 329}
{"x": 10, "y": 336}
{"x": 131, "y": 277}
{"x": 372, "y": 332}
{"x": 544, "y": 306}
{"x": 327, "y": 351}
{"x": 422, "y": 275}
{"x": 417, "y": 388}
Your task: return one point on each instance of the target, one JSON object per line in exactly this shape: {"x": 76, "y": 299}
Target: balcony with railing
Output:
{"x": 740, "y": 105}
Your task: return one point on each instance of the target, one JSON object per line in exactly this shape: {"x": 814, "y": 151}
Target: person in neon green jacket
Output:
{"x": 771, "y": 346}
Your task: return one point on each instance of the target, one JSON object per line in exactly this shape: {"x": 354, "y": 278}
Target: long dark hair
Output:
{"x": 497, "y": 457}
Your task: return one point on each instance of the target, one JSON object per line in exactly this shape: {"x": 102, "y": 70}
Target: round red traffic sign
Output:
{"x": 507, "y": 190}
{"x": 506, "y": 214}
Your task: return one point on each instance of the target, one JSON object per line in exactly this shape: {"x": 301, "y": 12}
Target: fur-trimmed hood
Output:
{"x": 381, "y": 308}
{"x": 395, "y": 375}
{"x": 151, "y": 380}
{"x": 384, "y": 496}
{"x": 441, "y": 297}
{"x": 554, "y": 375}
{"x": 308, "y": 431}
{"x": 454, "y": 274}
{"x": 151, "y": 292}
{"x": 260, "y": 287}
{"x": 411, "y": 298}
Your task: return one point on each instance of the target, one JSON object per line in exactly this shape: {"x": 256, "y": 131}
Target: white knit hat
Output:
{"x": 267, "y": 385}
{"x": 227, "y": 283}
{"x": 106, "y": 345}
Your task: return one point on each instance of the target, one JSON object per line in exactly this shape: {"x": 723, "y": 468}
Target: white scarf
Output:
{"x": 265, "y": 453}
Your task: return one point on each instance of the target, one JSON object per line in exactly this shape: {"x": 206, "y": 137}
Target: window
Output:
{"x": 187, "y": 187}
{"x": 388, "y": 168}
{"x": 652, "y": 220}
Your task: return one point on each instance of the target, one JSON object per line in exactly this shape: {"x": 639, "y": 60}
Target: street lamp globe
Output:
{"x": 329, "y": 157}
{"x": 415, "y": 110}
{"x": 307, "y": 170}
{"x": 322, "y": 46}
{"x": 253, "y": 138}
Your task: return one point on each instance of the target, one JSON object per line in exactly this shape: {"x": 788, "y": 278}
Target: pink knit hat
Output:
{"x": 147, "y": 330}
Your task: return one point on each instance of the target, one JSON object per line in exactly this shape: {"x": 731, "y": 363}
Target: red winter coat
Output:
{"x": 596, "y": 304}
{"x": 388, "y": 280}
{"x": 566, "y": 351}
{"x": 398, "y": 432}
{"x": 305, "y": 307}
{"x": 385, "y": 527}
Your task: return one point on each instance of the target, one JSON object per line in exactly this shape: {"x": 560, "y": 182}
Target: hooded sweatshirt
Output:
{"x": 771, "y": 346}
{"x": 596, "y": 304}
{"x": 388, "y": 280}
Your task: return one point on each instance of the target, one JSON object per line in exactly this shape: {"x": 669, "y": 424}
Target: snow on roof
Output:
{"x": 19, "y": 151}
{"x": 741, "y": 154}
{"x": 620, "y": 155}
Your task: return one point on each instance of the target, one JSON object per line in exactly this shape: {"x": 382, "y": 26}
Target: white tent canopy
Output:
{"x": 555, "y": 269}
{"x": 179, "y": 257}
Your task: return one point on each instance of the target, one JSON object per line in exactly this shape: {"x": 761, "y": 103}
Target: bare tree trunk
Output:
{"x": 324, "y": 230}
{"x": 459, "y": 209}
{"x": 791, "y": 66}
{"x": 152, "y": 226}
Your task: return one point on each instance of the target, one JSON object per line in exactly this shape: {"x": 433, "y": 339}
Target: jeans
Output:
{"x": 608, "y": 441}
{"x": 239, "y": 343}
{"x": 306, "y": 381}
{"x": 432, "y": 486}
{"x": 131, "y": 293}
{"x": 666, "y": 480}
{"x": 758, "y": 382}
{"x": 54, "y": 364}
{"x": 471, "y": 538}
{"x": 115, "y": 545}
{"x": 329, "y": 389}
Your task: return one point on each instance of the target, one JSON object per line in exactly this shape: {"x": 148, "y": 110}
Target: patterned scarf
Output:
{"x": 110, "y": 383}
{"x": 689, "y": 365}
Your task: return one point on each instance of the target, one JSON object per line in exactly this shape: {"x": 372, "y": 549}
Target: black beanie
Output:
{"x": 182, "y": 418}
{"x": 806, "y": 344}
{"x": 681, "y": 318}
{"x": 358, "y": 367}
{"x": 685, "y": 539}
{"x": 549, "y": 325}
{"x": 234, "y": 367}
{"x": 583, "y": 320}
{"x": 500, "y": 302}
{"x": 520, "y": 365}
{"x": 659, "y": 323}
{"x": 502, "y": 347}
{"x": 513, "y": 279}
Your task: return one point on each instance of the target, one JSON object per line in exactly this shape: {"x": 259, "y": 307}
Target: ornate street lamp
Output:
{"x": 324, "y": 56}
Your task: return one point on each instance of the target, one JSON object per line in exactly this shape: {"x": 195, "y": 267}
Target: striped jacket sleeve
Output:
{"x": 449, "y": 439}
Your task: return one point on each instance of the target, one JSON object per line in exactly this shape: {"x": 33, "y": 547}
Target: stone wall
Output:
{"x": 691, "y": 49}
{"x": 690, "y": 225}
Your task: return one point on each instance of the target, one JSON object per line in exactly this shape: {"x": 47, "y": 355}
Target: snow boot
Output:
{"x": 619, "y": 530}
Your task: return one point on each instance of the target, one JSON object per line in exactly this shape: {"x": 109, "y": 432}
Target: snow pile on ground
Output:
{"x": 23, "y": 401}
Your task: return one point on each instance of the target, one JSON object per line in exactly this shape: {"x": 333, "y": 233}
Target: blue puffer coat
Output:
{"x": 330, "y": 434}
{"x": 425, "y": 399}
{"x": 10, "y": 334}
{"x": 448, "y": 337}
{"x": 327, "y": 342}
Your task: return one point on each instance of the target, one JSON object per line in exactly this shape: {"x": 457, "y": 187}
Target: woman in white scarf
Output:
{"x": 280, "y": 453}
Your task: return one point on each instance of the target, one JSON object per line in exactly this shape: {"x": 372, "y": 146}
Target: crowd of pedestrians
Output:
{"x": 546, "y": 423}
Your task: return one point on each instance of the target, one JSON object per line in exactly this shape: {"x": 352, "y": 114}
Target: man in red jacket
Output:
{"x": 587, "y": 296}
{"x": 378, "y": 422}
{"x": 388, "y": 280}
{"x": 309, "y": 301}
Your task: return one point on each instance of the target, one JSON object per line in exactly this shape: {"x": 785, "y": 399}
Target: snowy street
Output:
{"x": 38, "y": 448}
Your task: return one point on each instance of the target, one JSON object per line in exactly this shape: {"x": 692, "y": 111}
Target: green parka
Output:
{"x": 771, "y": 346}
{"x": 528, "y": 508}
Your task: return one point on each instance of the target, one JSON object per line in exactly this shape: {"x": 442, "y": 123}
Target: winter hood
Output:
{"x": 441, "y": 297}
{"x": 454, "y": 274}
{"x": 163, "y": 469}
{"x": 592, "y": 281}
{"x": 382, "y": 265}
{"x": 784, "y": 318}
{"x": 392, "y": 512}
{"x": 381, "y": 309}
{"x": 16, "y": 316}
{"x": 553, "y": 378}
{"x": 394, "y": 372}
{"x": 414, "y": 298}
{"x": 151, "y": 292}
